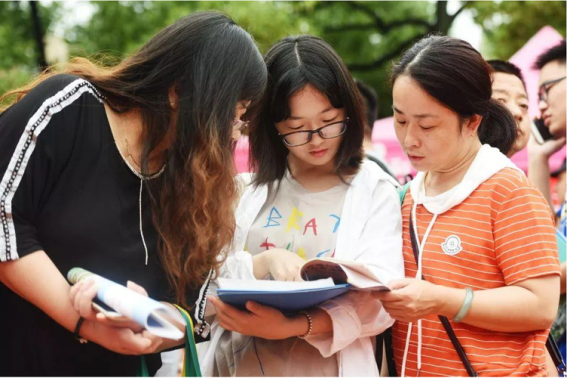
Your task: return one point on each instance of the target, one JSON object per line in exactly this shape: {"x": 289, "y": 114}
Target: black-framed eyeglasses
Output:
{"x": 546, "y": 86}
{"x": 330, "y": 131}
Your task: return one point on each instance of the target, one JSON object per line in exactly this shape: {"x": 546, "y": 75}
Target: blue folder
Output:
{"x": 286, "y": 301}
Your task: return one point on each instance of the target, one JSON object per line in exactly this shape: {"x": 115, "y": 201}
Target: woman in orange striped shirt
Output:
{"x": 485, "y": 252}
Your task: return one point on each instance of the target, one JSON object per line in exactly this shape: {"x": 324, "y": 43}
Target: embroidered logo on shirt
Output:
{"x": 452, "y": 245}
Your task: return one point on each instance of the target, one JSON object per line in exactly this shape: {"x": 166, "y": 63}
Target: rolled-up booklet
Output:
{"x": 150, "y": 314}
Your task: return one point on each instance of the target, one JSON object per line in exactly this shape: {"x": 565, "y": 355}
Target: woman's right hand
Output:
{"x": 281, "y": 264}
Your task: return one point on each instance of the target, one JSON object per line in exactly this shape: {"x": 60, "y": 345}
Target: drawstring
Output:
{"x": 418, "y": 275}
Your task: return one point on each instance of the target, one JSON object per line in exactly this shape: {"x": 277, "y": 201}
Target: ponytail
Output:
{"x": 498, "y": 127}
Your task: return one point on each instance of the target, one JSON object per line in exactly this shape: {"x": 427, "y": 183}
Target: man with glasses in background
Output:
{"x": 552, "y": 96}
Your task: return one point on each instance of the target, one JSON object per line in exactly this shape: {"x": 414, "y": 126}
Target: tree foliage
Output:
{"x": 369, "y": 35}
{"x": 508, "y": 25}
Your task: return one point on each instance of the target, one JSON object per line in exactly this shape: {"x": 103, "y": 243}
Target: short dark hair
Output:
{"x": 507, "y": 68}
{"x": 370, "y": 100}
{"x": 556, "y": 52}
{"x": 455, "y": 74}
{"x": 293, "y": 63}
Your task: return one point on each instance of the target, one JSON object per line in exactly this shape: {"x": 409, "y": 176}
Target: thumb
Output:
{"x": 137, "y": 288}
{"x": 399, "y": 284}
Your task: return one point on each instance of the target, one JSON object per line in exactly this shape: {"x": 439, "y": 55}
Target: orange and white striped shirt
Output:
{"x": 500, "y": 235}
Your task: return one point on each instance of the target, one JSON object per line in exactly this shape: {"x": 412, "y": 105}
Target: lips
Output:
{"x": 415, "y": 158}
{"x": 318, "y": 153}
{"x": 546, "y": 119}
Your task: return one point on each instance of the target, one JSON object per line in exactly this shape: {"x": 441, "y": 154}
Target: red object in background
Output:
{"x": 241, "y": 155}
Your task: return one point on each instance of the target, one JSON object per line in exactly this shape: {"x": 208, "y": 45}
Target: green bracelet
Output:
{"x": 465, "y": 307}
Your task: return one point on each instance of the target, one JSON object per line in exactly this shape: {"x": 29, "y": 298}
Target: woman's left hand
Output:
{"x": 260, "y": 321}
{"x": 410, "y": 299}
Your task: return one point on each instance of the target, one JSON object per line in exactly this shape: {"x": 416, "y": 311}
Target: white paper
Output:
{"x": 270, "y": 286}
{"x": 150, "y": 314}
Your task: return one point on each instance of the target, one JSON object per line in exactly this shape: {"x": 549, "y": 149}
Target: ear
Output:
{"x": 472, "y": 124}
{"x": 173, "y": 97}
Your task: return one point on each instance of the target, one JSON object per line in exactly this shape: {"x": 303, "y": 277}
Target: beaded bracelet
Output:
{"x": 310, "y": 320}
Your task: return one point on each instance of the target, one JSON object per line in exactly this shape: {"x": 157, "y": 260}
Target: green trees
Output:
{"x": 367, "y": 34}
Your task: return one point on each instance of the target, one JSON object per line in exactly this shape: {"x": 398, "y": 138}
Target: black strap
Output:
{"x": 444, "y": 321}
{"x": 379, "y": 350}
{"x": 555, "y": 355}
{"x": 384, "y": 342}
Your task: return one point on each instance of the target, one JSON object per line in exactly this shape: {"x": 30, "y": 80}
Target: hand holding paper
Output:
{"x": 147, "y": 313}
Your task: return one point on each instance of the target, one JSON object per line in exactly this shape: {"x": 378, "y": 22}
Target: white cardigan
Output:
{"x": 370, "y": 232}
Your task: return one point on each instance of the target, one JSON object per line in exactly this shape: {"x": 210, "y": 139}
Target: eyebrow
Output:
{"x": 507, "y": 92}
{"x": 425, "y": 115}
{"x": 294, "y": 118}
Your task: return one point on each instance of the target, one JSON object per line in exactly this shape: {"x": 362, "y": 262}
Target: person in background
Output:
{"x": 370, "y": 100}
{"x": 509, "y": 88}
{"x": 124, "y": 171}
{"x": 479, "y": 241}
{"x": 552, "y": 97}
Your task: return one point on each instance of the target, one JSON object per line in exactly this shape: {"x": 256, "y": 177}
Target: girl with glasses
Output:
{"x": 311, "y": 196}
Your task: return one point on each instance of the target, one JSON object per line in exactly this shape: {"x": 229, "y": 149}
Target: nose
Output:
{"x": 542, "y": 105}
{"x": 316, "y": 139}
{"x": 516, "y": 112}
{"x": 410, "y": 139}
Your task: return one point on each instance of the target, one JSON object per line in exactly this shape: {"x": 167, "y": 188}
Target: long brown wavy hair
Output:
{"x": 213, "y": 64}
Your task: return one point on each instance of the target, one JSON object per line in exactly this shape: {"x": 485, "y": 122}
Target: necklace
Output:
{"x": 142, "y": 179}
{"x": 129, "y": 154}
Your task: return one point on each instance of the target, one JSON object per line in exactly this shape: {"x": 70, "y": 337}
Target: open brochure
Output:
{"x": 325, "y": 278}
{"x": 152, "y": 315}
{"x": 342, "y": 271}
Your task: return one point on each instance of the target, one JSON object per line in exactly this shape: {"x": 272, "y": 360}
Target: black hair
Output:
{"x": 455, "y": 74}
{"x": 556, "y": 52}
{"x": 507, "y": 68}
{"x": 370, "y": 100}
{"x": 293, "y": 63}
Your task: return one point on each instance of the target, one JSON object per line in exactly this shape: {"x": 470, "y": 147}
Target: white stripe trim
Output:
{"x": 544, "y": 273}
{"x": 517, "y": 198}
{"x": 529, "y": 253}
{"x": 500, "y": 229}
{"x": 531, "y": 210}
{"x": 545, "y": 211}
{"x": 490, "y": 191}
{"x": 26, "y": 145}
{"x": 539, "y": 226}
{"x": 467, "y": 268}
{"x": 539, "y": 240}
{"x": 527, "y": 262}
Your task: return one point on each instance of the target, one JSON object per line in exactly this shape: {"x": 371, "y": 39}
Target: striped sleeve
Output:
{"x": 37, "y": 135}
{"x": 524, "y": 236}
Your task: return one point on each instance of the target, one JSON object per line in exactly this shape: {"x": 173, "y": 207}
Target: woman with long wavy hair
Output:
{"x": 124, "y": 171}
